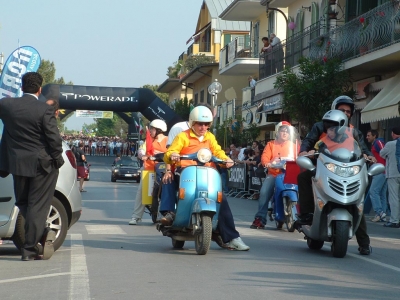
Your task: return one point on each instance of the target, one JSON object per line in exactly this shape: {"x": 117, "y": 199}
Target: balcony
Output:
{"x": 375, "y": 30}
{"x": 237, "y": 58}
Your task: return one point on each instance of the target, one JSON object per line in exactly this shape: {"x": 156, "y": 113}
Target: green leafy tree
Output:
{"x": 197, "y": 60}
{"x": 163, "y": 96}
{"x": 232, "y": 131}
{"x": 182, "y": 108}
{"x": 173, "y": 71}
{"x": 48, "y": 70}
{"x": 308, "y": 94}
{"x": 105, "y": 127}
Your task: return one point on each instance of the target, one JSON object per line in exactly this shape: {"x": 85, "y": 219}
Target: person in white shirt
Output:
{"x": 175, "y": 130}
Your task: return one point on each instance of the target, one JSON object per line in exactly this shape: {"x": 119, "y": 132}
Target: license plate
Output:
{"x": 128, "y": 175}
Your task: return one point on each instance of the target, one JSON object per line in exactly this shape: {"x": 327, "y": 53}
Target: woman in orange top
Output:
{"x": 285, "y": 147}
{"x": 159, "y": 142}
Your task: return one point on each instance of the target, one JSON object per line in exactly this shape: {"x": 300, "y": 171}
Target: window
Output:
{"x": 196, "y": 98}
{"x": 208, "y": 98}
{"x": 202, "y": 96}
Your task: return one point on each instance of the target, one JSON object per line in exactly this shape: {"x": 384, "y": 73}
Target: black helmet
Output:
{"x": 343, "y": 100}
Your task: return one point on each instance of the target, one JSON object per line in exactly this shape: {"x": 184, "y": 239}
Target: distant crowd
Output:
{"x": 102, "y": 146}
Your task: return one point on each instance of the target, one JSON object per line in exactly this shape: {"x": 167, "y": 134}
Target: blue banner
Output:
{"x": 22, "y": 60}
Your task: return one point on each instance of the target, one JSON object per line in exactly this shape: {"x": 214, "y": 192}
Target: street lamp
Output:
{"x": 213, "y": 89}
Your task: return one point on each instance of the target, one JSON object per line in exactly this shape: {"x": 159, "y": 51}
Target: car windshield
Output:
{"x": 127, "y": 163}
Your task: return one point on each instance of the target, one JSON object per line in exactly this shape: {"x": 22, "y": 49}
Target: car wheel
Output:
{"x": 57, "y": 220}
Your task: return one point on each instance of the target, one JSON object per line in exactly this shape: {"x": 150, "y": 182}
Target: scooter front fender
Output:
{"x": 340, "y": 214}
{"x": 204, "y": 205}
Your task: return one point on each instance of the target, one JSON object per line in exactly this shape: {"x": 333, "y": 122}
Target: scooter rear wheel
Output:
{"x": 314, "y": 244}
{"x": 203, "y": 238}
{"x": 177, "y": 244}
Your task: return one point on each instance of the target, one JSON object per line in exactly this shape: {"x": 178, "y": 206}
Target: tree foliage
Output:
{"x": 182, "y": 108}
{"x": 197, "y": 60}
{"x": 308, "y": 94}
{"x": 47, "y": 69}
{"x": 173, "y": 71}
{"x": 233, "y": 132}
{"x": 163, "y": 96}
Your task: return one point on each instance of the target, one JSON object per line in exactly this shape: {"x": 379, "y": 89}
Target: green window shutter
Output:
{"x": 290, "y": 32}
{"x": 227, "y": 39}
{"x": 247, "y": 41}
{"x": 314, "y": 12}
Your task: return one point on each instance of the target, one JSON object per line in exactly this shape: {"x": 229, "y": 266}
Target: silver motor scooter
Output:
{"x": 339, "y": 184}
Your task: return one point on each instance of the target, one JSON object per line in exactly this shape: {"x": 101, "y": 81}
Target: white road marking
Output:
{"x": 108, "y": 201}
{"x": 79, "y": 280}
{"x": 104, "y": 229}
{"x": 388, "y": 240}
{"x": 34, "y": 277}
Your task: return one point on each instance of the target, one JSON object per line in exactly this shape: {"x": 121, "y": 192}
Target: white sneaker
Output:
{"x": 237, "y": 244}
{"x": 134, "y": 221}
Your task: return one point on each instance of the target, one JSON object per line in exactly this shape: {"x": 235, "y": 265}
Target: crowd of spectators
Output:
{"x": 102, "y": 146}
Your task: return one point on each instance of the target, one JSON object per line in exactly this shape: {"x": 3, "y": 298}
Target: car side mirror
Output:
{"x": 376, "y": 169}
{"x": 305, "y": 163}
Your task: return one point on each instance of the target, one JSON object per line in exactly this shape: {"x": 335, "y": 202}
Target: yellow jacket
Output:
{"x": 188, "y": 140}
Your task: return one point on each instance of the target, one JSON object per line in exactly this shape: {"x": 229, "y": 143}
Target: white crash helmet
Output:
{"x": 200, "y": 114}
{"x": 159, "y": 124}
{"x": 336, "y": 118}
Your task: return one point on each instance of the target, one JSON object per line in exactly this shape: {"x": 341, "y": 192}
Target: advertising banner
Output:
{"x": 22, "y": 60}
{"x": 237, "y": 176}
{"x": 256, "y": 180}
{"x": 94, "y": 114}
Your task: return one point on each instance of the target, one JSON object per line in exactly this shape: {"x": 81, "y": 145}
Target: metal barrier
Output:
{"x": 243, "y": 180}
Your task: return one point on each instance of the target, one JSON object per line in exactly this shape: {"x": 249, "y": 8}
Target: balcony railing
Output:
{"x": 371, "y": 31}
{"x": 378, "y": 28}
{"x": 238, "y": 48}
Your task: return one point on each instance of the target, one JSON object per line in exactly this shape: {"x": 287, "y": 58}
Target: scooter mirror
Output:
{"x": 305, "y": 162}
{"x": 376, "y": 169}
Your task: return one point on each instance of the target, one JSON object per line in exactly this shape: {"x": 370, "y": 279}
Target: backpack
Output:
{"x": 398, "y": 154}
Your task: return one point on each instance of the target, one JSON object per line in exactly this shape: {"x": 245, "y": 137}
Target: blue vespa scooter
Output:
{"x": 286, "y": 195}
{"x": 199, "y": 195}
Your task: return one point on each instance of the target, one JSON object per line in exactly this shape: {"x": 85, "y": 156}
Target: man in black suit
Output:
{"x": 31, "y": 150}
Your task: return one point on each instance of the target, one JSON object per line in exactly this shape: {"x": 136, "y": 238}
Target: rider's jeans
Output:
{"x": 226, "y": 224}
{"x": 266, "y": 192}
{"x": 377, "y": 193}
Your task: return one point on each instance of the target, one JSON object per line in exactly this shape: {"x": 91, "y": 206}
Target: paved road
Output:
{"x": 105, "y": 258}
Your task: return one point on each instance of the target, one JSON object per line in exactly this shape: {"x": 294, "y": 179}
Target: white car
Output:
{"x": 66, "y": 206}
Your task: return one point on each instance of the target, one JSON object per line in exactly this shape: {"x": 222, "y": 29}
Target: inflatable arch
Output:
{"x": 117, "y": 99}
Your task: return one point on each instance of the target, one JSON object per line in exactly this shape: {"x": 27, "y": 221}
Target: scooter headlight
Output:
{"x": 204, "y": 155}
{"x": 343, "y": 171}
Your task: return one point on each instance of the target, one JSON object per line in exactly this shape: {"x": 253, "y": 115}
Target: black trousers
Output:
{"x": 226, "y": 224}
{"x": 33, "y": 198}
{"x": 306, "y": 202}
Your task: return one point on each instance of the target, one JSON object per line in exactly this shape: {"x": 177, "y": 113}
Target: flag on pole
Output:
{"x": 139, "y": 126}
{"x": 149, "y": 143}
{"x": 22, "y": 60}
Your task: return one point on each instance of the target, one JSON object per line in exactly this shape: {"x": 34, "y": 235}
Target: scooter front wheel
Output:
{"x": 340, "y": 239}
{"x": 290, "y": 211}
{"x": 203, "y": 238}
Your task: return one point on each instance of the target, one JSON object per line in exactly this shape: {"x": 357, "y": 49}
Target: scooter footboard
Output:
{"x": 340, "y": 214}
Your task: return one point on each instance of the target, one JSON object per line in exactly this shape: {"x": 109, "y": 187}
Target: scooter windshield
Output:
{"x": 340, "y": 144}
{"x": 286, "y": 145}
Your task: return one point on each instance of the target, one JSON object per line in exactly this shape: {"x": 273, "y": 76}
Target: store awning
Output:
{"x": 198, "y": 32}
{"x": 385, "y": 105}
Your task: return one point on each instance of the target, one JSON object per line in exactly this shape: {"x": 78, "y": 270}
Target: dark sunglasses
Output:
{"x": 203, "y": 124}
{"x": 346, "y": 111}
